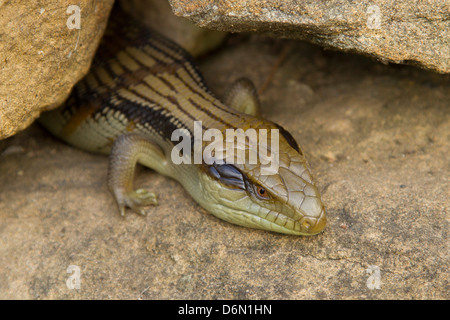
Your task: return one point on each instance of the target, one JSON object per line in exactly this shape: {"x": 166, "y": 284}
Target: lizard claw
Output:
{"x": 136, "y": 201}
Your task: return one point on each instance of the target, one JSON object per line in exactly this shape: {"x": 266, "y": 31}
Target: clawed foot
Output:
{"x": 136, "y": 200}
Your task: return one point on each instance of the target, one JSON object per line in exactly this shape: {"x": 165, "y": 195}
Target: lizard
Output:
{"x": 140, "y": 89}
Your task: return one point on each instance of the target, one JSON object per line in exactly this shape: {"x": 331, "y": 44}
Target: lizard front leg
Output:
{"x": 128, "y": 150}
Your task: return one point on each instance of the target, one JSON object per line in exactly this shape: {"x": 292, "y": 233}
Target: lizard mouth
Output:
{"x": 275, "y": 221}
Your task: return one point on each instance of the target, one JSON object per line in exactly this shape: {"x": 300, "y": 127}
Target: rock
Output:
{"x": 392, "y": 31}
{"x": 43, "y": 54}
{"x": 158, "y": 15}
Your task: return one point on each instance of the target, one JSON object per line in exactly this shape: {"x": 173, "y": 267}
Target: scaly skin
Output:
{"x": 140, "y": 89}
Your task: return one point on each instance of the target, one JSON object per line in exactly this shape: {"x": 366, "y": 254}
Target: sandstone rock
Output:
{"x": 43, "y": 54}
{"x": 392, "y": 31}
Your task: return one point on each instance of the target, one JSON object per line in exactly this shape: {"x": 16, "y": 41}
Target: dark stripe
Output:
{"x": 150, "y": 102}
{"x": 165, "y": 51}
{"x": 205, "y": 94}
{"x": 170, "y": 59}
{"x": 167, "y": 83}
{"x": 171, "y": 99}
{"x": 289, "y": 138}
{"x": 163, "y": 123}
{"x": 127, "y": 69}
{"x": 209, "y": 114}
{"x": 187, "y": 60}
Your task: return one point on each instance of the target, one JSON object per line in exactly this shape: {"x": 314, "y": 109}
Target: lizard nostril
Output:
{"x": 319, "y": 224}
{"x": 312, "y": 225}
{"x": 306, "y": 224}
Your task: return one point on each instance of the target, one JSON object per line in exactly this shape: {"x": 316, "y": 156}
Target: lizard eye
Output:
{"x": 262, "y": 193}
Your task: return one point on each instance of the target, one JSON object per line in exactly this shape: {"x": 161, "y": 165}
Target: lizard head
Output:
{"x": 278, "y": 195}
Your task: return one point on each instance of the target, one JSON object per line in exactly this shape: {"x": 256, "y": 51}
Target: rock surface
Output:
{"x": 377, "y": 139}
{"x": 415, "y": 32}
{"x": 43, "y": 54}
